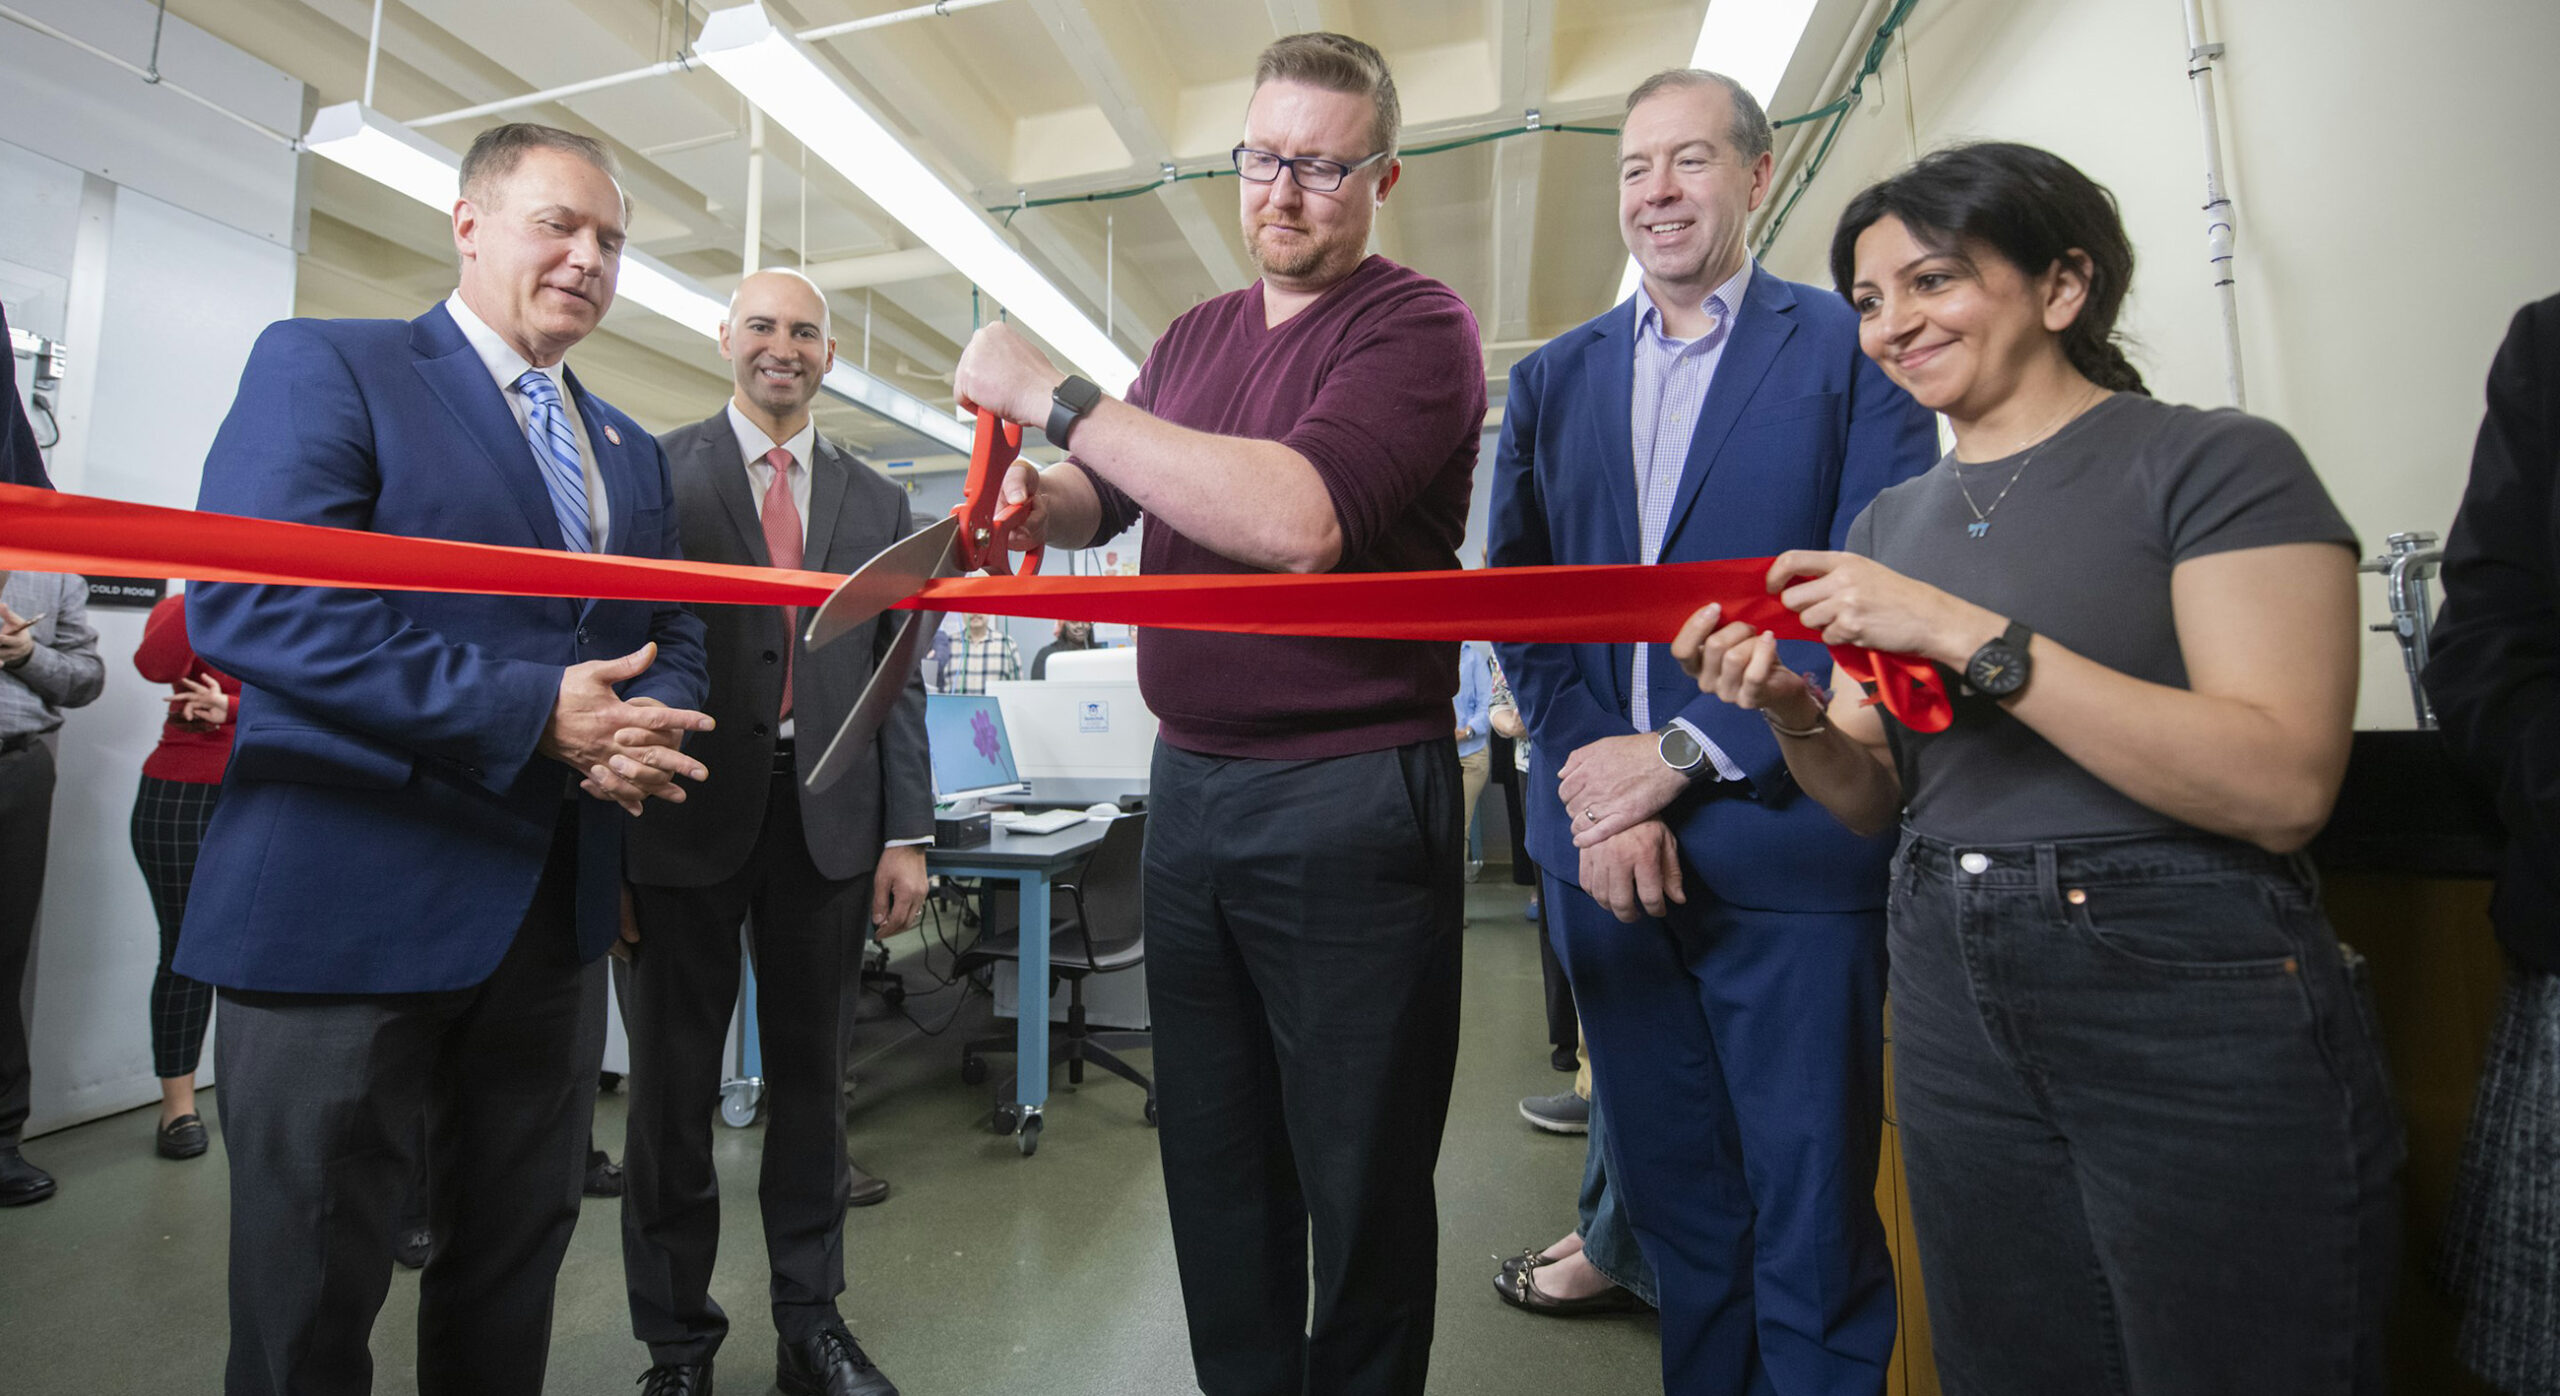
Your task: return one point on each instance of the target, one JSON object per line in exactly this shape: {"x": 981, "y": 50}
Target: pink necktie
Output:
{"x": 782, "y": 545}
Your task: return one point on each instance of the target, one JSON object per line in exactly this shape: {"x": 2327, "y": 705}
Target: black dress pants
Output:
{"x": 26, "y": 821}
{"x": 320, "y": 1096}
{"x": 803, "y": 927}
{"x": 1303, "y": 957}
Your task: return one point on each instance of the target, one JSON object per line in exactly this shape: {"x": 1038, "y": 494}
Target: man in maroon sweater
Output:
{"x": 1303, "y": 855}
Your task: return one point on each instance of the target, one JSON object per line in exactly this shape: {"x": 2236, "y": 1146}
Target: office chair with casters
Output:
{"x": 1095, "y": 927}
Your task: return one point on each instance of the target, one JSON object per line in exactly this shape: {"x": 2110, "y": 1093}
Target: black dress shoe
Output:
{"x": 830, "y": 1364}
{"x": 411, "y": 1248}
{"x": 182, "y": 1137}
{"x": 867, "y": 1190}
{"x": 604, "y": 1176}
{"x": 677, "y": 1379}
{"x": 22, "y": 1182}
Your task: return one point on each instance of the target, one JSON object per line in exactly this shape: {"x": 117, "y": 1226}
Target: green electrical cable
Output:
{"x": 1839, "y": 109}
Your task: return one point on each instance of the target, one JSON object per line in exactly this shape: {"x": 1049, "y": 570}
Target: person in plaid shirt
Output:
{"x": 979, "y": 657}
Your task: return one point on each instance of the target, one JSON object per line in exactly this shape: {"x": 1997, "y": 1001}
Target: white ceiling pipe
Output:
{"x": 2221, "y": 220}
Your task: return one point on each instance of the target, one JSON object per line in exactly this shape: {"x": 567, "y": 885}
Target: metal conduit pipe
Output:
{"x": 148, "y": 75}
{"x": 2221, "y": 220}
{"x": 680, "y": 64}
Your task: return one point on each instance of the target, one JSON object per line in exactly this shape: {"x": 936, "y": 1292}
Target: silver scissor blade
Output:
{"x": 895, "y": 573}
{"x": 888, "y": 684}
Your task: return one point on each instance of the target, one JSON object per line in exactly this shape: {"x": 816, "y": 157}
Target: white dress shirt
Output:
{"x": 506, "y": 366}
{"x": 752, "y": 446}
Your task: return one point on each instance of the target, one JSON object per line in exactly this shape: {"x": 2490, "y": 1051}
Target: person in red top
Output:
{"x": 180, "y": 782}
{"x": 1302, "y": 888}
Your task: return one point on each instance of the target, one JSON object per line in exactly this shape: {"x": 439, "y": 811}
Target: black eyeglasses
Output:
{"x": 1313, "y": 175}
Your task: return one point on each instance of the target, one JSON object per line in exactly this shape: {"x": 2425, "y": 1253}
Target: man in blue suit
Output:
{"x": 417, "y": 862}
{"x": 1724, "y": 937}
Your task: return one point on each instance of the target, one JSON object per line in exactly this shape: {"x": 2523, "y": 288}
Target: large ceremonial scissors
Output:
{"x": 974, "y": 538}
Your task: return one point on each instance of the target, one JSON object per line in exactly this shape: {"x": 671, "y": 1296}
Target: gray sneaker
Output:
{"x": 1561, "y": 1113}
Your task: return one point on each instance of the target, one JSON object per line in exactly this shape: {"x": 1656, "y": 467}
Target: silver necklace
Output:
{"x": 1981, "y": 524}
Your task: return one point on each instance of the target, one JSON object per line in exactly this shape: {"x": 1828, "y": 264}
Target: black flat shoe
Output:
{"x": 830, "y": 1364}
{"x": 182, "y": 1137}
{"x": 604, "y": 1176}
{"x": 1517, "y": 1286}
{"x": 22, "y": 1182}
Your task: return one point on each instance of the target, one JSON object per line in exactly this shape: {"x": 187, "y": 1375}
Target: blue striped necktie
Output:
{"x": 555, "y": 447}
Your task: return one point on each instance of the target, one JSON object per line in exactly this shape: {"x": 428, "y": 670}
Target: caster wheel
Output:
{"x": 973, "y": 1071}
{"x": 740, "y": 1103}
{"x": 1007, "y": 1120}
{"x": 893, "y": 994}
{"x": 1029, "y": 1139}
{"x": 1151, "y": 1110}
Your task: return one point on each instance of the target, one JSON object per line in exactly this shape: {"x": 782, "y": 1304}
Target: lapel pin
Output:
{"x": 611, "y": 435}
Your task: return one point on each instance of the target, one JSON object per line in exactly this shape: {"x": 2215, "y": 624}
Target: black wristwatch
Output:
{"x": 1681, "y": 750}
{"x": 2001, "y": 666}
{"x": 1068, "y": 405}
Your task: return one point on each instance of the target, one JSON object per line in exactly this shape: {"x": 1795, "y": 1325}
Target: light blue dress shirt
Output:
{"x": 1475, "y": 698}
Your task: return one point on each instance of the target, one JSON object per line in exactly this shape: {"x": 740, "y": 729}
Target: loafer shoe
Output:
{"x": 604, "y": 1176}
{"x": 830, "y": 1364}
{"x": 1561, "y": 1113}
{"x": 677, "y": 1379}
{"x": 411, "y": 1248}
{"x": 182, "y": 1137}
{"x": 867, "y": 1191}
{"x": 1517, "y": 1285}
{"x": 22, "y": 1182}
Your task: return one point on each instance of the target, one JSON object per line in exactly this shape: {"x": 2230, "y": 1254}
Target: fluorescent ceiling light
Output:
{"x": 388, "y": 153}
{"x": 771, "y": 69}
{"x": 398, "y": 158}
{"x": 1751, "y": 42}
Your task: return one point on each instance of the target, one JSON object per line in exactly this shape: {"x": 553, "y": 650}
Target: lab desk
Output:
{"x": 1031, "y": 862}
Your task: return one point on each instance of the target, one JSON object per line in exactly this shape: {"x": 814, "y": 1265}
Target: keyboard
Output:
{"x": 1042, "y": 822}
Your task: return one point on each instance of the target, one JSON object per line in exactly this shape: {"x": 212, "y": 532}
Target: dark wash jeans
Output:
{"x": 2149, "y": 1142}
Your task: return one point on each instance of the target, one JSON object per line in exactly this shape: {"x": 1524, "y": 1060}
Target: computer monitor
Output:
{"x": 971, "y": 755}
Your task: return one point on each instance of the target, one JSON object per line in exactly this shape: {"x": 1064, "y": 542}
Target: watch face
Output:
{"x": 1680, "y": 751}
{"x": 1996, "y": 669}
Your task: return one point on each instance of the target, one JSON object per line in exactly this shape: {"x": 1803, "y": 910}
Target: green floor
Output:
{"x": 984, "y": 1272}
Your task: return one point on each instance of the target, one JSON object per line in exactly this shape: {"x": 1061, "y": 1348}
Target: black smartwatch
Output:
{"x": 1068, "y": 405}
{"x": 2001, "y": 666}
{"x": 1680, "y": 750}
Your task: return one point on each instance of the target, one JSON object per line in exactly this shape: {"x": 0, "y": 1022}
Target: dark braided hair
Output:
{"x": 2032, "y": 207}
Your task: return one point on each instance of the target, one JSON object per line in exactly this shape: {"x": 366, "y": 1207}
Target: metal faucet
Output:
{"x": 2407, "y": 571}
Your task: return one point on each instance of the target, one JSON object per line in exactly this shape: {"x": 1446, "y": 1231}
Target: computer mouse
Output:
{"x": 1104, "y": 810}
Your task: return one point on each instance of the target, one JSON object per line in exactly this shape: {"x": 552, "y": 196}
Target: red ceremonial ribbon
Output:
{"x": 44, "y": 531}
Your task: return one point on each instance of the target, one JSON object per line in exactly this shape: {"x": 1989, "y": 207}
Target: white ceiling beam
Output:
{"x": 1523, "y": 38}
{"x": 458, "y": 69}
{"x": 911, "y": 80}
{"x": 856, "y": 273}
{"x": 1139, "y": 96}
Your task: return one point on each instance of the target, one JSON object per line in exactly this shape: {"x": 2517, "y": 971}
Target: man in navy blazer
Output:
{"x": 1724, "y": 937}
{"x": 416, "y": 866}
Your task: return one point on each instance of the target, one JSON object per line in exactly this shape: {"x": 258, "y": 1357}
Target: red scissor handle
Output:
{"x": 982, "y": 524}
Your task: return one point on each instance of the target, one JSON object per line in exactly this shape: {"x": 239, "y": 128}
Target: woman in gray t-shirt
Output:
{"x": 2146, "y": 1132}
